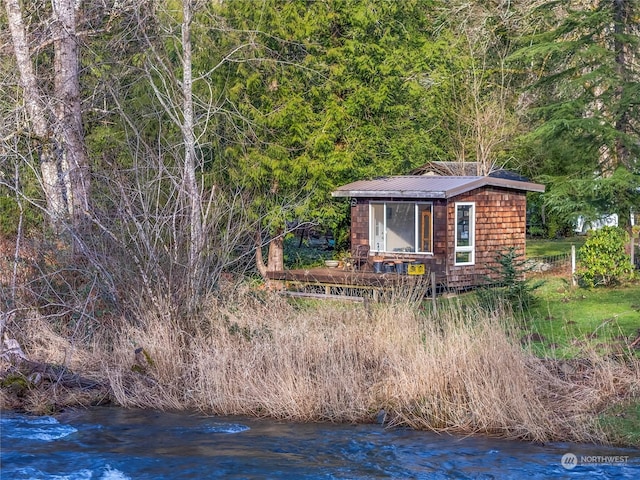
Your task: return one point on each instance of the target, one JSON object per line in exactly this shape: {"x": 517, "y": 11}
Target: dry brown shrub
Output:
{"x": 461, "y": 371}
{"x": 41, "y": 338}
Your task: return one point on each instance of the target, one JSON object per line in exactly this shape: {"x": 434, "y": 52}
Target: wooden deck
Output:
{"x": 339, "y": 283}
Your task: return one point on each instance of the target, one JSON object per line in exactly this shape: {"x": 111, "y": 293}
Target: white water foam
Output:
{"x": 227, "y": 428}
{"x": 36, "y": 428}
{"x": 113, "y": 474}
{"x": 84, "y": 474}
{"x": 35, "y": 474}
{"x": 212, "y": 428}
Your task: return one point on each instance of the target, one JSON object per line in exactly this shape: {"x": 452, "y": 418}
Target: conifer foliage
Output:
{"x": 581, "y": 64}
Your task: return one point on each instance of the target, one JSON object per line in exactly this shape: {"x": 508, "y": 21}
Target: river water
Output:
{"x": 114, "y": 443}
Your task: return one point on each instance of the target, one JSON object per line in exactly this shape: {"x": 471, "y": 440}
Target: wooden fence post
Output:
{"x": 433, "y": 292}
{"x": 573, "y": 265}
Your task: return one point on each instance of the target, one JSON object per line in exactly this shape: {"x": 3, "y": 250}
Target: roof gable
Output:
{"x": 462, "y": 169}
{"x": 421, "y": 186}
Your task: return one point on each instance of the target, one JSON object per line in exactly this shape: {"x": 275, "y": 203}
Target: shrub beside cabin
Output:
{"x": 454, "y": 225}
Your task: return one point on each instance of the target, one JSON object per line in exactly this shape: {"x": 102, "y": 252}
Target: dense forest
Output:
{"x": 154, "y": 145}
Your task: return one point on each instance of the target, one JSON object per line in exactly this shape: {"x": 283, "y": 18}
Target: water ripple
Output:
{"x": 34, "y": 428}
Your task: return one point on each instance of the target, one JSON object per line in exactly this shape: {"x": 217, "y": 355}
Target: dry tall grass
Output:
{"x": 461, "y": 371}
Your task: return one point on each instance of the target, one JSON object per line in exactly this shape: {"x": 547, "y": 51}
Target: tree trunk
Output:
{"x": 64, "y": 164}
{"x": 275, "y": 262}
{"x": 622, "y": 13}
{"x": 73, "y": 158}
{"x": 189, "y": 181}
{"x": 260, "y": 265}
{"x": 36, "y": 112}
{"x": 275, "y": 257}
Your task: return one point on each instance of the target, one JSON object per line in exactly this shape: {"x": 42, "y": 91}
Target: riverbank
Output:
{"x": 462, "y": 371}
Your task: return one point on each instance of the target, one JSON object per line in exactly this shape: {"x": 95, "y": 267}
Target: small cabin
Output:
{"x": 454, "y": 225}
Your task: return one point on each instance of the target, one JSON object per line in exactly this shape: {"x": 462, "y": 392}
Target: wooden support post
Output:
{"x": 433, "y": 292}
{"x": 573, "y": 265}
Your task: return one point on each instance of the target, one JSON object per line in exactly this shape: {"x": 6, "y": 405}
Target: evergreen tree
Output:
{"x": 330, "y": 92}
{"x": 581, "y": 64}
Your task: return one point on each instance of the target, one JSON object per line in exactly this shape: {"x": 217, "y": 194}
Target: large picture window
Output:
{"x": 399, "y": 227}
{"x": 465, "y": 234}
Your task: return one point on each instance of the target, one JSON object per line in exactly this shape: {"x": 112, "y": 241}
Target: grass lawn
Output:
{"x": 544, "y": 247}
{"x": 570, "y": 322}
{"x": 568, "y": 319}
{"x": 567, "y": 322}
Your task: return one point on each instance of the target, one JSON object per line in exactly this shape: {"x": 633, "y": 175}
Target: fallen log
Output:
{"x": 42, "y": 387}
{"x": 38, "y": 373}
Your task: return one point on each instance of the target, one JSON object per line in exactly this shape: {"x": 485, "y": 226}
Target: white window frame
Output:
{"x": 471, "y": 248}
{"x": 416, "y": 227}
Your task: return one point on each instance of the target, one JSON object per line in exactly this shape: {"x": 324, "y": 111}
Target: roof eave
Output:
{"x": 517, "y": 185}
{"x": 388, "y": 194}
{"x": 473, "y": 184}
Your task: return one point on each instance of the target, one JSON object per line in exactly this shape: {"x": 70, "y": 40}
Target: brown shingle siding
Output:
{"x": 500, "y": 223}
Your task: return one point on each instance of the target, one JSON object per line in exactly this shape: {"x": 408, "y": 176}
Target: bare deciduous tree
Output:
{"x": 483, "y": 122}
{"x": 190, "y": 184}
{"x": 55, "y": 120}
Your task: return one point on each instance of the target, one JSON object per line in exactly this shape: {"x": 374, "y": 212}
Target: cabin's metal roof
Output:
{"x": 427, "y": 186}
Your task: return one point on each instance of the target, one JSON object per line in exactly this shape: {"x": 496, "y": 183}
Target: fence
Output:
{"x": 563, "y": 263}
